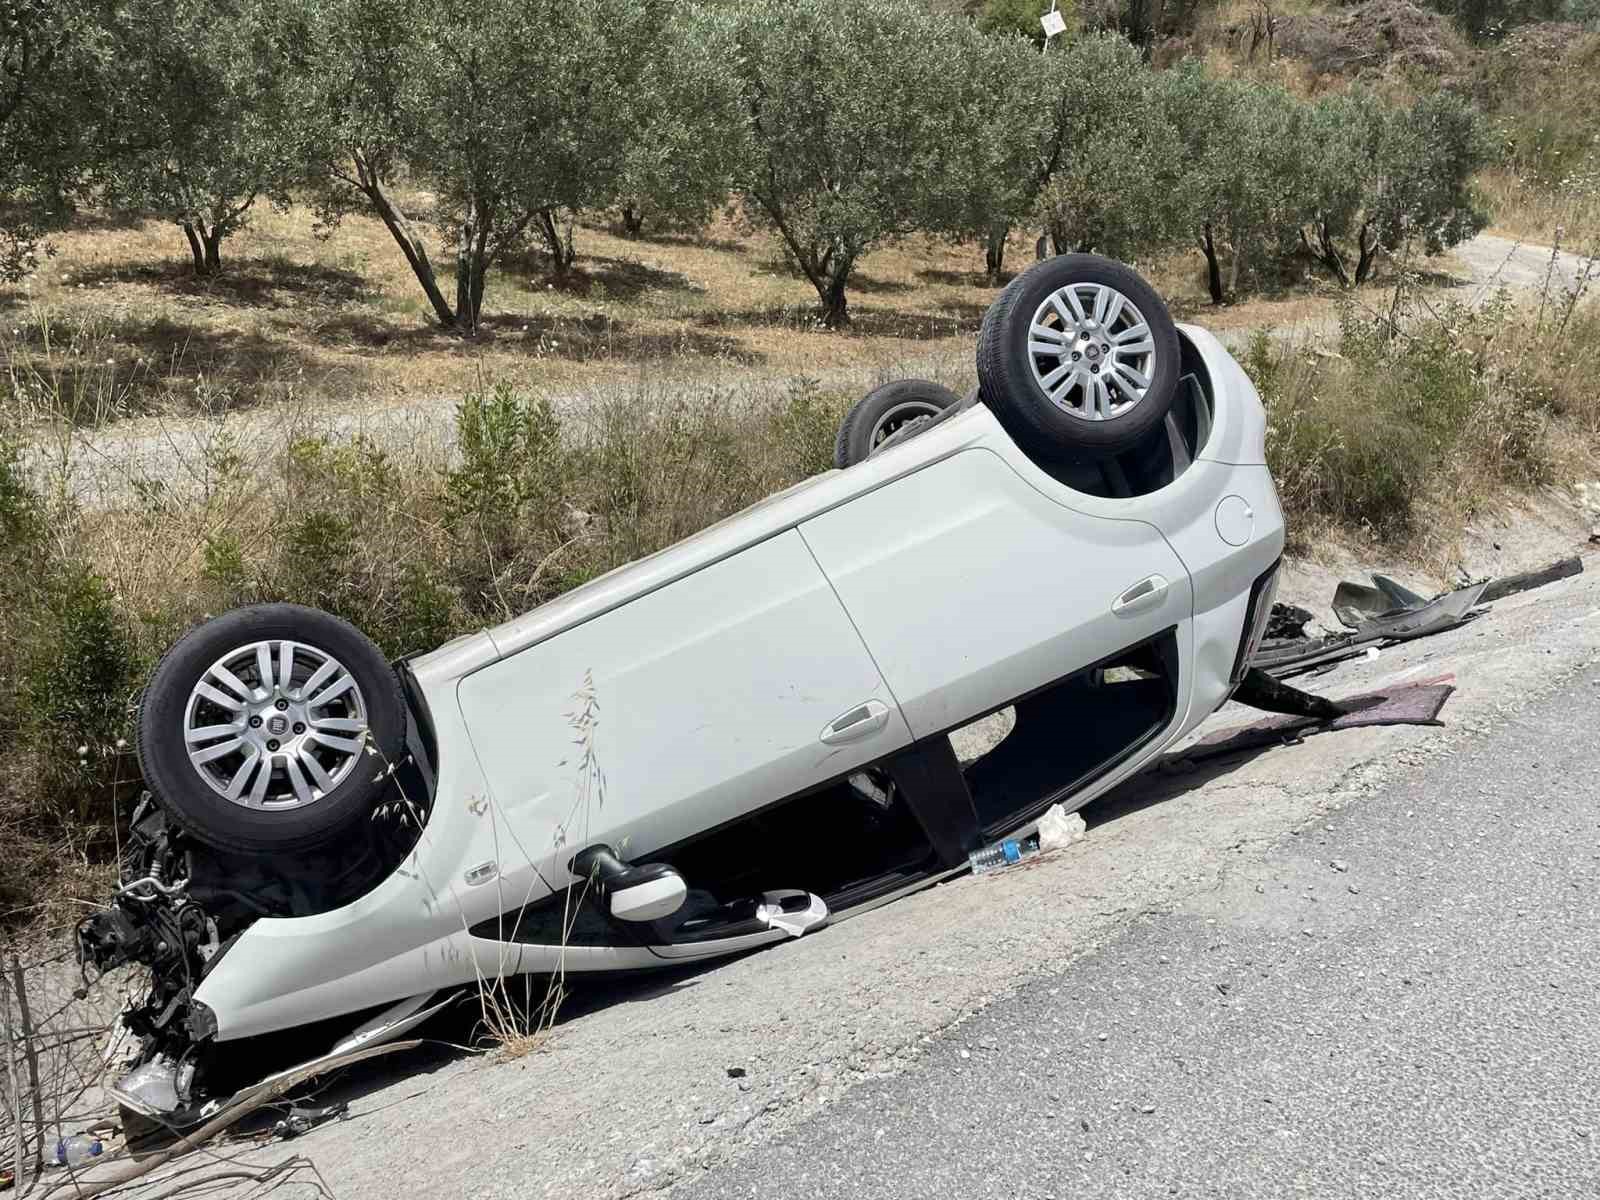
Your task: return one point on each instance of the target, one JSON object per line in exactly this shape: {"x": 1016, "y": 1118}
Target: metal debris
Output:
{"x": 1510, "y": 585}
{"x": 303, "y": 1119}
{"x": 1385, "y": 613}
{"x": 1445, "y": 611}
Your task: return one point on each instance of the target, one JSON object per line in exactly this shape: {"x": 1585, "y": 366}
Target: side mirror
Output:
{"x": 643, "y": 893}
{"x": 650, "y": 899}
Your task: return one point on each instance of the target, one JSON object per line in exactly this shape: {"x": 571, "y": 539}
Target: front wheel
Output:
{"x": 269, "y": 729}
{"x": 1078, "y": 358}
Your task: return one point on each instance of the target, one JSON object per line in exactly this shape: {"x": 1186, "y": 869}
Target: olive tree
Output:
{"x": 1076, "y": 138}
{"x": 1380, "y": 175}
{"x": 53, "y": 56}
{"x": 512, "y": 113}
{"x": 1348, "y": 132}
{"x": 682, "y": 150}
{"x": 1245, "y": 171}
{"x": 1424, "y": 189}
{"x": 1010, "y": 144}
{"x": 851, "y": 124}
{"x": 213, "y": 115}
{"x": 1116, "y": 184}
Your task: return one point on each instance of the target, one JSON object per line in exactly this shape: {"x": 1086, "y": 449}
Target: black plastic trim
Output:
{"x": 1255, "y": 622}
{"x": 929, "y": 777}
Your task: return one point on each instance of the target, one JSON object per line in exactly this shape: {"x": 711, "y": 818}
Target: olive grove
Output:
{"x": 477, "y": 130}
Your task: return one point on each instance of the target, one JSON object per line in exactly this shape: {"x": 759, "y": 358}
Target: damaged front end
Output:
{"x": 157, "y": 921}
{"x": 178, "y": 909}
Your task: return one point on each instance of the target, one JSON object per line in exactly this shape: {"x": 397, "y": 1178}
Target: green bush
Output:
{"x": 1398, "y": 425}
{"x": 511, "y": 459}
{"x": 82, "y": 671}
{"x": 70, "y": 668}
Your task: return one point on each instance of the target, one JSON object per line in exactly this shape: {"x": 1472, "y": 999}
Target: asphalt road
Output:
{"x": 1402, "y": 1001}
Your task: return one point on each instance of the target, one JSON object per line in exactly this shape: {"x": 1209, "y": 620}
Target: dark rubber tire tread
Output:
{"x": 1005, "y": 376}
{"x": 218, "y": 822}
{"x": 854, "y": 443}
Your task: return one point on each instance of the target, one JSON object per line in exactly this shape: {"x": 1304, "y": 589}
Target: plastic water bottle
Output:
{"x": 79, "y": 1148}
{"x": 997, "y": 856}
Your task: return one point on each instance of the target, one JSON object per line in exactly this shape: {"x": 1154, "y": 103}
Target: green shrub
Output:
{"x": 223, "y": 565}
{"x": 81, "y": 674}
{"x": 1399, "y": 424}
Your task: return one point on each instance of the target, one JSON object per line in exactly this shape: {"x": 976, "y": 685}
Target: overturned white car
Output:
{"x": 1090, "y": 539}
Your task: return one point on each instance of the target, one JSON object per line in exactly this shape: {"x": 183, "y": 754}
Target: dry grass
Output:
{"x": 342, "y": 319}
{"x": 1412, "y": 429}
{"x": 1529, "y": 212}
{"x": 116, "y": 323}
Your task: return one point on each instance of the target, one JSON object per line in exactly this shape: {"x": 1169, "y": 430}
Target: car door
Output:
{"x": 713, "y": 696}
{"x": 973, "y": 586}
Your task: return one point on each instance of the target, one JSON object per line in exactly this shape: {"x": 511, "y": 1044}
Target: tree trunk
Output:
{"x": 632, "y": 220}
{"x": 1368, "y": 257}
{"x": 410, "y": 245}
{"x": 1233, "y": 269}
{"x": 1213, "y": 271}
{"x": 559, "y": 248}
{"x": 994, "y": 252}
{"x": 196, "y": 248}
{"x": 835, "y": 306}
{"x": 1327, "y": 252}
{"x": 205, "y": 247}
{"x": 471, "y": 266}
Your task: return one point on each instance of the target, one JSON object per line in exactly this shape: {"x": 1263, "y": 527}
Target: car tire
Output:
{"x": 883, "y": 411}
{"x": 270, "y": 755}
{"x": 1064, "y": 409}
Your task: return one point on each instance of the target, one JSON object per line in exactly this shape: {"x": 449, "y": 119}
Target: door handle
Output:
{"x": 861, "y": 721}
{"x": 1147, "y": 593}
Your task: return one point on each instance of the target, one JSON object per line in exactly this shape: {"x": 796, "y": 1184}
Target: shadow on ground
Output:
{"x": 259, "y": 282}
{"x": 591, "y": 338}
{"x": 612, "y": 278}
{"x": 973, "y": 278}
{"x": 950, "y": 320}
{"x": 163, "y": 366}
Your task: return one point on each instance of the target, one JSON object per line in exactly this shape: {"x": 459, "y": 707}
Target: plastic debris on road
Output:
{"x": 1058, "y": 829}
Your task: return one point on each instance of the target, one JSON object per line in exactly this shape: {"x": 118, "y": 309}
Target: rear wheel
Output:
{"x": 269, "y": 729}
{"x": 1078, "y": 358}
{"x": 884, "y": 412}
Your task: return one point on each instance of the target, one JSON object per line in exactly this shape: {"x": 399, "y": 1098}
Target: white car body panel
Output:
{"x": 942, "y": 578}
{"x": 714, "y": 692}
{"x": 1037, "y": 582}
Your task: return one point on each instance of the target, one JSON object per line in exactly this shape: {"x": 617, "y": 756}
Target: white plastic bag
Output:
{"x": 1058, "y": 828}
